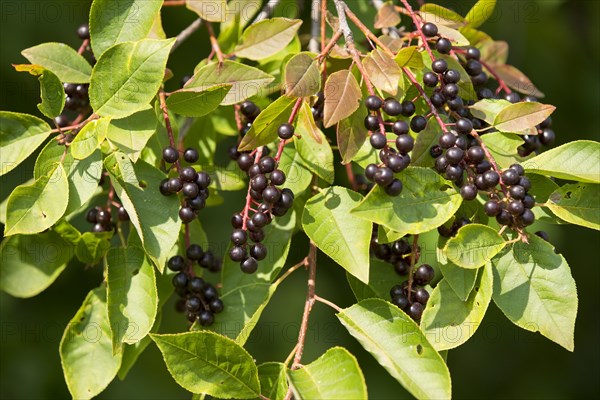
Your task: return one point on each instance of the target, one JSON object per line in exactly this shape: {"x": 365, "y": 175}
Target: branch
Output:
{"x": 214, "y": 43}
{"x": 313, "y": 43}
{"x": 186, "y": 33}
{"x": 418, "y": 24}
{"x": 165, "y": 112}
{"x": 413, "y": 259}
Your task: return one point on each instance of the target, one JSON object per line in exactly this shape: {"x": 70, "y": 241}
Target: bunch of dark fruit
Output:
{"x": 199, "y": 299}
{"x": 101, "y": 218}
{"x": 413, "y": 303}
{"x": 458, "y": 223}
{"x": 191, "y": 183}
{"x": 396, "y": 253}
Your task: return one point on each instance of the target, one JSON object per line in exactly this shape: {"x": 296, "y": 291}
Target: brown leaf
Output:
{"x": 387, "y": 16}
{"x": 302, "y": 76}
{"x": 342, "y": 97}
{"x": 351, "y": 134}
{"x": 306, "y": 124}
{"x": 494, "y": 52}
{"x": 382, "y": 71}
{"x": 517, "y": 80}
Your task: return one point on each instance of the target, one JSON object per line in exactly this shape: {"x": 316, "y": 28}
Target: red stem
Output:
{"x": 418, "y": 24}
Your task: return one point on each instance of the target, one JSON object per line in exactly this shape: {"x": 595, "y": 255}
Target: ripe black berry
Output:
{"x": 371, "y": 122}
{"x": 443, "y": 45}
{"x": 392, "y": 107}
{"x": 258, "y": 251}
{"x": 170, "y": 154}
{"x": 83, "y": 31}
{"x": 404, "y": 143}
{"x": 174, "y": 185}
{"x": 475, "y": 154}
{"x": 429, "y": 29}
{"x": 492, "y": 208}
{"x": 543, "y": 235}
{"x": 527, "y": 218}
{"x": 196, "y": 284}
{"x": 180, "y": 280}
{"x": 479, "y": 79}
{"x": 473, "y": 53}
{"x": 517, "y": 192}
{"x": 216, "y": 305}
{"x": 435, "y": 151}
{"x": 418, "y": 123}
{"x": 447, "y": 140}
{"x": 206, "y": 318}
{"x": 370, "y": 171}
{"x": 437, "y": 99}
{"x": 468, "y": 192}
{"x": 408, "y": 108}
{"x": 285, "y": 131}
{"x": 260, "y": 219}
{"x": 424, "y": 274}
{"x": 455, "y": 104}
{"x": 400, "y": 301}
{"x": 176, "y": 263}
{"x": 485, "y": 93}
{"x": 190, "y": 190}
{"x": 464, "y": 125}
{"x": 378, "y": 140}
{"x": 400, "y": 127}
{"x": 254, "y": 170}
{"x": 510, "y": 177}
{"x": 384, "y": 176}
{"x": 238, "y": 237}
{"x": 430, "y": 79}
{"x": 194, "y": 252}
{"x": 547, "y": 137}
{"x": 473, "y": 67}
{"x": 415, "y": 311}
{"x": 491, "y": 178}
{"x": 401, "y": 267}
{"x": 249, "y": 265}
{"x": 245, "y": 161}
{"x": 193, "y": 303}
{"x": 454, "y": 155}
{"x": 237, "y": 253}
{"x": 187, "y": 215}
{"x": 61, "y": 121}
{"x": 191, "y": 155}
{"x": 504, "y": 217}
{"x": 440, "y": 66}
{"x": 271, "y": 194}
{"x": 451, "y": 76}
{"x": 528, "y": 201}
{"x": 454, "y": 172}
{"x": 421, "y": 295}
{"x": 450, "y": 90}
{"x": 512, "y": 97}
{"x": 394, "y": 188}
{"x": 373, "y": 103}
{"x": 92, "y": 215}
{"x": 441, "y": 164}
{"x": 249, "y": 109}
{"x": 103, "y": 216}
{"x": 267, "y": 165}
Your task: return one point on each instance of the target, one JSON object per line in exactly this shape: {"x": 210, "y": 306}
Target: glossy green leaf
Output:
{"x": 264, "y": 127}
{"x": 488, "y": 109}
{"x": 61, "y": 60}
{"x": 20, "y": 135}
{"x": 397, "y": 343}
{"x": 245, "y": 81}
{"x": 89, "y": 138}
{"x": 302, "y": 75}
{"x": 29, "y": 264}
{"x": 204, "y": 362}
{"x": 342, "y": 97}
{"x": 246, "y": 296}
{"x": 577, "y": 161}
{"x": 127, "y": 77}
{"x": 113, "y": 22}
{"x": 334, "y": 375}
{"x": 473, "y": 246}
{"x": 132, "y": 295}
{"x": 267, "y": 37}
{"x": 131, "y": 134}
{"x": 426, "y": 202}
{"x": 578, "y": 204}
{"x": 421, "y": 155}
{"x": 442, "y": 12}
{"x": 328, "y": 223}
{"x": 383, "y": 71}
{"x": 409, "y": 57}
{"x": 448, "y": 321}
{"x": 298, "y": 176}
{"x": 503, "y": 147}
{"x": 36, "y": 207}
{"x": 86, "y": 349}
{"x": 273, "y": 380}
{"x": 312, "y": 145}
{"x": 521, "y": 116}
{"x": 461, "y": 280}
{"x": 209, "y": 10}
{"x": 480, "y": 12}
{"x": 93, "y": 246}
{"x": 137, "y": 189}
{"x": 52, "y": 92}
{"x": 196, "y": 102}
{"x": 453, "y": 35}
{"x": 83, "y": 175}
{"x": 67, "y": 232}
{"x": 131, "y": 352}
{"x": 380, "y": 275}
{"x": 534, "y": 288}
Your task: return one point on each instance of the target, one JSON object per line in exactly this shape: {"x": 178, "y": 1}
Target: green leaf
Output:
{"x": 302, "y": 75}
{"x": 196, "y": 102}
{"x": 93, "y": 246}
{"x": 298, "y": 176}
{"x": 246, "y": 296}
{"x": 83, "y": 175}
{"x": 521, "y": 116}
{"x": 453, "y": 35}
{"x": 67, "y": 232}
{"x": 209, "y": 10}
{"x": 352, "y": 134}
{"x": 488, "y": 109}
{"x": 157, "y": 230}
{"x": 441, "y": 12}
{"x": 480, "y": 12}
{"x": 127, "y": 77}
{"x": 534, "y": 288}
{"x": 264, "y": 127}
{"x": 421, "y": 156}
{"x": 273, "y": 380}
{"x": 383, "y": 71}
{"x": 578, "y": 204}
{"x": 334, "y": 375}
{"x": 380, "y": 275}
{"x": 89, "y": 138}
{"x": 503, "y": 147}
{"x": 132, "y": 295}
{"x": 61, "y": 60}
{"x": 342, "y": 97}
{"x": 312, "y": 146}
{"x": 473, "y": 246}
{"x": 36, "y": 207}
{"x": 461, "y": 280}
{"x": 29, "y": 264}
{"x": 426, "y": 202}
{"x": 409, "y": 57}
{"x": 131, "y": 134}
{"x": 52, "y": 92}
{"x": 113, "y": 22}
{"x": 86, "y": 350}
{"x": 577, "y": 161}
{"x": 131, "y": 352}
{"x": 20, "y": 135}
{"x": 204, "y": 362}
{"x": 267, "y": 37}
{"x": 328, "y": 223}
{"x": 245, "y": 81}
{"x": 397, "y": 343}
{"x": 449, "y": 321}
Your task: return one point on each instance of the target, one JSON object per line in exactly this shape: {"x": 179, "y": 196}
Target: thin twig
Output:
{"x": 165, "y": 112}
{"x": 418, "y": 26}
{"x": 83, "y": 46}
{"x": 329, "y": 303}
{"x": 413, "y": 259}
{"x": 174, "y": 3}
{"x": 214, "y": 43}
{"x": 290, "y": 270}
{"x": 186, "y": 33}
{"x": 313, "y": 43}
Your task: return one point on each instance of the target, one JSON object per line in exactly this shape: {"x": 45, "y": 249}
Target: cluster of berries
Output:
{"x": 413, "y": 302}
{"x": 102, "y": 219}
{"x": 198, "y": 298}
{"x": 191, "y": 183}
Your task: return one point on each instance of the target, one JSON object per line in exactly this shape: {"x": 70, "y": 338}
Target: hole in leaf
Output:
{"x": 135, "y": 272}
{"x": 44, "y": 214}
{"x": 443, "y": 188}
{"x": 419, "y": 349}
{"x": 477, "y": 288}
{"x": 568, "y": 195}
{"x": 478, "y": 304}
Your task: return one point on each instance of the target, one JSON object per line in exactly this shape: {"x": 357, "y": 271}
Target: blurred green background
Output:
{"x": 555, "y": 42}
